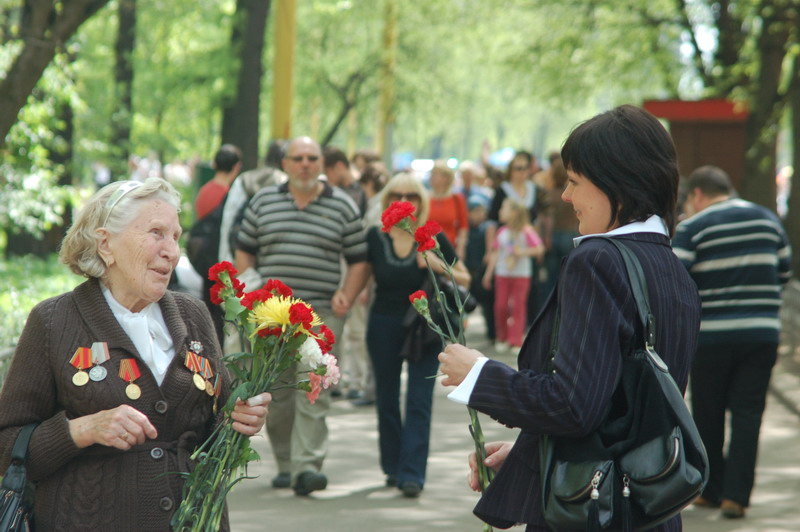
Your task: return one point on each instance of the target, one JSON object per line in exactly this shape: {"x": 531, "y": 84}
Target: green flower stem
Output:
{"x": 485, "y": 474}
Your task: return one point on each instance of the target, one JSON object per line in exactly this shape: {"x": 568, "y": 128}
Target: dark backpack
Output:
{"x": 202, "y": 245}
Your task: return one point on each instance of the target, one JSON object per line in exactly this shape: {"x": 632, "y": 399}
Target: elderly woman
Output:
{"x": 622, "y": 183}
{"x": 447, "y": 208}
{"x": 103, "y": 371}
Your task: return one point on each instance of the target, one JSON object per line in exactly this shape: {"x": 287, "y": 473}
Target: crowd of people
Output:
{"x": 310, "y": 216}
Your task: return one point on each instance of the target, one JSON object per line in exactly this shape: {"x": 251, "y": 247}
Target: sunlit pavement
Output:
{"x": 357, "y": 500}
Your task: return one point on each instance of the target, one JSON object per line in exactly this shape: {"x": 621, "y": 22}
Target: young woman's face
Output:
{"x": 591, "y": 205}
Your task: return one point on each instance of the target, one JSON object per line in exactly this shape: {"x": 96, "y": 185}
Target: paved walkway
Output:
{"x": 357, "y": 501}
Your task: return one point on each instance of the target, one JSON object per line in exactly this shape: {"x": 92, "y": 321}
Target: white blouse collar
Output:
{"x": 148, "y": 332}
{"x": 654, "y": 224}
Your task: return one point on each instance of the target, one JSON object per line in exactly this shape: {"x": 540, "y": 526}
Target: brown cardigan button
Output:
{"x": 165, "y": 504}
{"x": 161, "y": 407}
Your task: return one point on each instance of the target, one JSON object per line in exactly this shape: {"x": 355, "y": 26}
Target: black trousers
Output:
{"x": 731, "y": 377}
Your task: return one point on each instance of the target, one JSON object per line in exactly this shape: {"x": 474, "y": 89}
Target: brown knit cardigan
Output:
{"x": 101, "y": 488}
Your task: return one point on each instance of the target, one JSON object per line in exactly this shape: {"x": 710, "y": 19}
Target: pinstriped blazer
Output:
{"x": 598, "y": 324}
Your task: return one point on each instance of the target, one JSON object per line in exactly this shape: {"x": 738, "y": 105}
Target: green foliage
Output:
{"x": 28, "y": 281}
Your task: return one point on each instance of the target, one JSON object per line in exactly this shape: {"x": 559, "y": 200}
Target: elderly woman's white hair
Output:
{"x": 114, "y": 207}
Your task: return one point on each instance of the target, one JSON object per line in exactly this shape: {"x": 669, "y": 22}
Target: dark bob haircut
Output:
{"x": 630, "y": 157}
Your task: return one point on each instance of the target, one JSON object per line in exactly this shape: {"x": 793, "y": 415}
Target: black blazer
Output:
{"x": 598, "y": 323}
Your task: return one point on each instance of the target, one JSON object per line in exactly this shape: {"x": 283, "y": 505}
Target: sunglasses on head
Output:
{"x": 400, "y": 196}
{"x": 299, "y": 158}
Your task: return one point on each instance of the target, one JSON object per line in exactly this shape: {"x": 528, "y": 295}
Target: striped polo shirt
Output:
{"x": 303, "y": 247}
{"x": 738, "y": 254}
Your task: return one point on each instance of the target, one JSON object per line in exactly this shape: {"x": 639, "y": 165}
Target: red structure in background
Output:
{"x": 705, "y": 132}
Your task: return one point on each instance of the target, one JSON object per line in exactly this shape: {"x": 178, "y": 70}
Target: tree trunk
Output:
{"x": 792, "y": 222}
{"x": 122, "y": 118}
{"x": 766, "y": 103}
{"x": 241, "y": 114}
{"x": 47, "y": 26}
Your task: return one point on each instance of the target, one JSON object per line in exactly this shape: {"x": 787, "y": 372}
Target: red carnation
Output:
{"x": 424, "y": 235}
{"x": 397, "y": 211}
{"x": 214, "y": 293}
{"x": 238, "y": 287}
{"x": 277, "y": 288}
{"x": 328, "y": 339}
{"x": 419, "y": 294}
{"x": 300, "y": 313}
{"x": 270, "y": 331}
{"x": 224, "y": 266}
{"x": 255, "y": 296}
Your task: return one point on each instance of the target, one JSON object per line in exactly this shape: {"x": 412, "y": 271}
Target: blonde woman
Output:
{"x": 447, "y": 208}
{"x": 399, "y": 270}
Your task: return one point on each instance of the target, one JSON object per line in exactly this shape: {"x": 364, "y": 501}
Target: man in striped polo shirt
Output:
{"x": 738, "y": 254}
{"x": 298, "y": 233}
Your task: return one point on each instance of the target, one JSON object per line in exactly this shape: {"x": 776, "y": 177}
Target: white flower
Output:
{"x": 310, "y": 353}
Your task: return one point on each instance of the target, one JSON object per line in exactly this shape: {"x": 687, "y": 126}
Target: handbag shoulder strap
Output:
{"x": 639, "y": 287}
{"x": 640, "y": 294}
{"x": 20, "y": 450}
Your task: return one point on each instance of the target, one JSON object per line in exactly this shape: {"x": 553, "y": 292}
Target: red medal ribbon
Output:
{"x": 217, "y": 386}
{"x": 205, "y": 368}
{"x": 82, "y": 358}
{"x": 192, "y": 362}
{"x": 129, "y": 370}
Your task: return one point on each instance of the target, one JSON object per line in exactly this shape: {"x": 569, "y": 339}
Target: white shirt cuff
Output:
{"x": 464, "y": 390}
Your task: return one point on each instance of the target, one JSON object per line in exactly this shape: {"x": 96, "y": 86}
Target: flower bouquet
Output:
{"x": 400, "y": 214}
{"x": 281, "y": 330}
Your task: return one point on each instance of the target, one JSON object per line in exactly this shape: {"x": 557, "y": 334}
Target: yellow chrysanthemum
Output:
{"x": 274, "y": 312}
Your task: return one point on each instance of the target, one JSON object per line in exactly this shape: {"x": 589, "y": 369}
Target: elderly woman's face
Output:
{"x": 591, "y": 205}
{"x": 142, "y": 257}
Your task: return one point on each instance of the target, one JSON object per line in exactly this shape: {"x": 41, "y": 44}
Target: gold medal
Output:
{"x": 80, "y": 378}
{"x": 199, "y": 382}
{"x": 133, "y": 391}
{"x": 209, "y": 388}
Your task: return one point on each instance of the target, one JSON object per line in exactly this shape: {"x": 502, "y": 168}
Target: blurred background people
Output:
{"x": 738, "y": 254}
{"x": 447, "y": 208}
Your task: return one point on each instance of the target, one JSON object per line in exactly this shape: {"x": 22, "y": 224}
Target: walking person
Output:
{"x": 509, "y": 270}
{"x": 298, "y": 232}
{"x": 399, "y": 270}
{"x": 738, "y": 254}
{"x": 623, "y": 184}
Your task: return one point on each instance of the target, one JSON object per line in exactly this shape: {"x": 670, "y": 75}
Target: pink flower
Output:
{"x": 332, "y": 373}
{"x": 316, "y": 386}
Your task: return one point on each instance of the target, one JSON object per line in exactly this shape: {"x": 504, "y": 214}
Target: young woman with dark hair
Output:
{"x": 622, "y": 183}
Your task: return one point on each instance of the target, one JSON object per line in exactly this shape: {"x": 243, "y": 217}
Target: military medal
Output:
{"x": 193, "y": 363}
{"x": 217, "y": 389}
{"x": 82, "y": 359}
{"x": 205, "y": 369}
{"x": 99, "y": 356}
{"x": 129, "y": 372}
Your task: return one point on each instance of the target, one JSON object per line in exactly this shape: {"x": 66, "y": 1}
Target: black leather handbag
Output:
{"x": 16, "y": 495}
{"x": 646, "y": 461}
